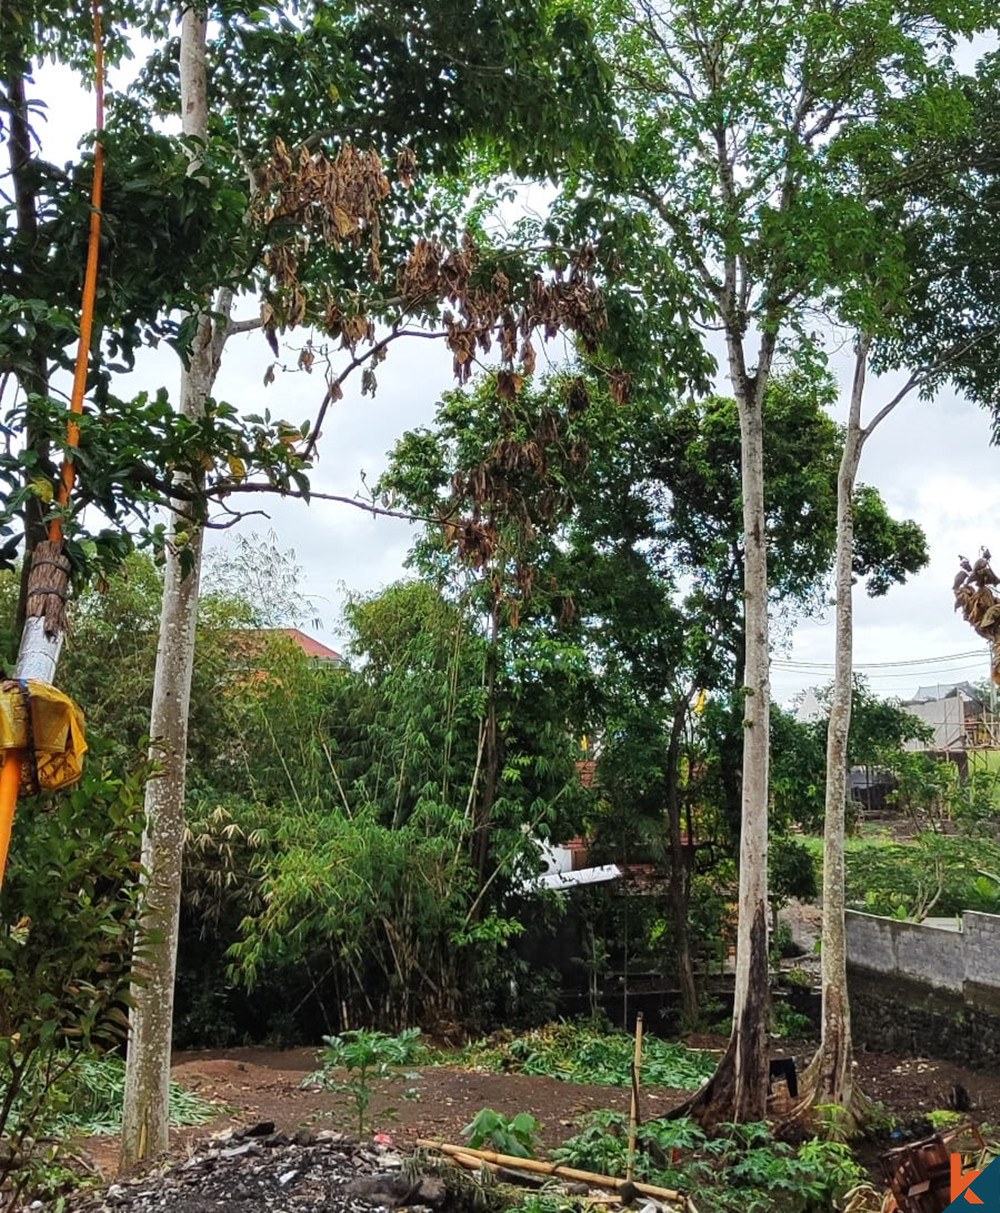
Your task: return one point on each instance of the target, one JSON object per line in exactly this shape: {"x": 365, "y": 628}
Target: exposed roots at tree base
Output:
{"x": 719, "y": 1101}
{"x": 824, "y": 1110}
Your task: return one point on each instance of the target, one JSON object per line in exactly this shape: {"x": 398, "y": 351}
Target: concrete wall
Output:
{"x": 963, "y": 959}
{"x": 927, "y": 989}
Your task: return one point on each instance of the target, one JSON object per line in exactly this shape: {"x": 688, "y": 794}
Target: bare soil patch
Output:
{"x": 252, "y": 1086}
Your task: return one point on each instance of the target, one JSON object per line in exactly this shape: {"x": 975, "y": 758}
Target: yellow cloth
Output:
{"x": 57, "y": 734}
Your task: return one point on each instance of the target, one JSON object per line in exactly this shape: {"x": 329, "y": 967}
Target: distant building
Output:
{"x": 317, "y": 653}
{"x": 249, "y": 646}
{"x": 957, "y": 715}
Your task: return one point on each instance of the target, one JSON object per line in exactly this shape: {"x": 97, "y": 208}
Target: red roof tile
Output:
{"x": 309, "y": 646}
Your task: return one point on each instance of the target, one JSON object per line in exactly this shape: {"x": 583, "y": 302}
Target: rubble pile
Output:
{"x": 256, "y": 1170}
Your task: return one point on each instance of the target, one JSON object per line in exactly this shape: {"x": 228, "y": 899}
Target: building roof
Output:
{"x": 310, "y": 647}
{"x": 588, "y": 771}
{"x": 945, "y": 690}
{"x": 571, "y": 880}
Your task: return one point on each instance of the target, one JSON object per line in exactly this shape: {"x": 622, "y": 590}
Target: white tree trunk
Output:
{"x": 738, "y": 1089}
{"x": 834, "y": 1075}
{"x": 145, "y": 1127}
{"x": 751, "y": 1004}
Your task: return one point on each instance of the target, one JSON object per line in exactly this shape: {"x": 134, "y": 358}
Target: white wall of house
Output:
{"x": 946, "y": 718}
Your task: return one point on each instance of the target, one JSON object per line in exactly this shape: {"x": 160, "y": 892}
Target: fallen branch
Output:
{"x": 551, "y": 1168}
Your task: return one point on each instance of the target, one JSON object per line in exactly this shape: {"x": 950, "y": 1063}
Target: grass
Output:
{"x": 580, "y": 1054}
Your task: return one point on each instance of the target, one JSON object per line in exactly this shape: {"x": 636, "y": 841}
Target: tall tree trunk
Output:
{"x": 835, "y": 1052}
{"x": 828, "y": 1079}
{"x": 751, "y": 1003}
{"x": 145, "y": 1126}
{"x": 679, "y": 881}
{"x": 738, "y": 1089}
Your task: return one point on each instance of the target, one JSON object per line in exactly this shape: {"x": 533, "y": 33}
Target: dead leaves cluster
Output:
{"x": 337, "y": 198}
{"x": 496, "y": 508}
{"x": 482, "y": 312}
{"x": 306, "y": 194}
{"x": 978, "y": 598}
{"x": 521, "y": 486}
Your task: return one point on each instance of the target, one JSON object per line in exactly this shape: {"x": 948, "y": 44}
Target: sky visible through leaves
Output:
{"x": 932, "y": 461}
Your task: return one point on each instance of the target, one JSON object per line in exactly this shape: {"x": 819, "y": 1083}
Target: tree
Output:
{"x": 882, "y": 312}
{"x": 736, "y": 118}
{"x": 314, "y": 246}
{"x": 374, "y": 877}
{"x": 146, "y": 1116}
{"x": 630, "y": 547}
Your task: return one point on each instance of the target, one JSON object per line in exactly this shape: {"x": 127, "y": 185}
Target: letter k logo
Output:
{"x": 975, "y": 1190}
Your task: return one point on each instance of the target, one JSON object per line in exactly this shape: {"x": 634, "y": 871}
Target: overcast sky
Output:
{"x": 932, "y": 461}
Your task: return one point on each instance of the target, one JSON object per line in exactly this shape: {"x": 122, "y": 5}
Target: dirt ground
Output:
{"x": 253, "y": 1085}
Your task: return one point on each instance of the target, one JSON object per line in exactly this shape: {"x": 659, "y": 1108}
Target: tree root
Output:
{"x": 835, "y": 1111}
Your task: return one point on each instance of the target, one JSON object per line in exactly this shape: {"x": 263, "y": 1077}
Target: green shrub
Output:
{"x": 366, "y": 1057}
{"x": 577, "y": 1053}
{"x": 514, "y": 1135}
{"x": 742, "y": 1169}
{"x": 934, "y": 874}
{"x": 67, "y": 912}
{"x": 786, "y": 1021}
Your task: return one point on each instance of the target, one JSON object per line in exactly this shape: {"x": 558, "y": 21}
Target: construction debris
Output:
{"x": 919, "y": 1175}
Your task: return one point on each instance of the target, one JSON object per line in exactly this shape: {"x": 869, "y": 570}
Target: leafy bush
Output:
{"x": 575, "y": 1053}
{"x": 94, "y": 1092}
{"x": 504, "y": 1134}
{"x": 67, "y": 912}
{"x": 786, "y": 1021}
{"x": 934, "y": 873}
{"x": 601, "y": 1145}
{"x": 366, "y": 1057}
{"x": 742, "y": 1170}
{"x": 975, "y": 803}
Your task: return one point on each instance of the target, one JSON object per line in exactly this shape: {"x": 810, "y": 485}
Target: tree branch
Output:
{"x": 227, "y": 488}
{"x": 358, "y": 360}
{"x": 244, "y": 326}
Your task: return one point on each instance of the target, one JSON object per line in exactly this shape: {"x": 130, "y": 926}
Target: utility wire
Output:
{"x": 792, "y": 664}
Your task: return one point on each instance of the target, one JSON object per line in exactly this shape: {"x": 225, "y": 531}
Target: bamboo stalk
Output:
{"x": 551, "y": 1168}
{"x": 633, "y": 1119}
{"x": 476, "y": 1164}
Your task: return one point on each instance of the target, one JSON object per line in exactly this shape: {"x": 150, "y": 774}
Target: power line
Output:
{"x": 805, "y": 666}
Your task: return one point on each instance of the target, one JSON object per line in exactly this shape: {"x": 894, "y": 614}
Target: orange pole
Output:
{"x": 68, "y": 473}
{"x": 10, "y": 782}
{"x": 10, "y": 772}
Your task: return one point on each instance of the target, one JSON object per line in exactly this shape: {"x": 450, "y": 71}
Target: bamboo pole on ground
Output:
{"x": 554, "y": 1169}
{"x": 633, "y": 1119}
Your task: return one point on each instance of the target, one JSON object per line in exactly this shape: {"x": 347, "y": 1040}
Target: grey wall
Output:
{"x": 927, "y": 989}
{"x": 964, "y": 961}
